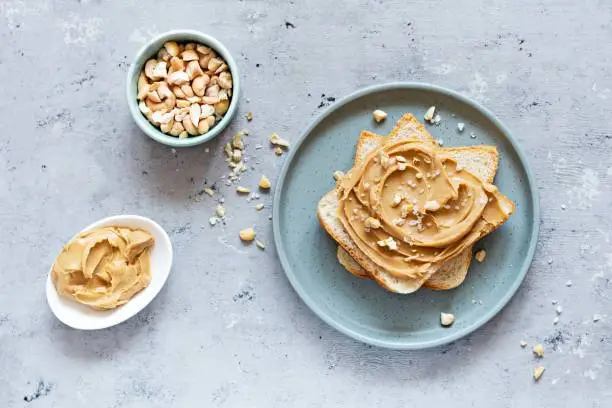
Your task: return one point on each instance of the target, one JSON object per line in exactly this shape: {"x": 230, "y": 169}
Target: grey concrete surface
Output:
{"x": 228, "y": 330}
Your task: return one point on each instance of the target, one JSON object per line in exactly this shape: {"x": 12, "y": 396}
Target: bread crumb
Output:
{"x": 249, "y": 116}
{"x": 556, "y": 320}
{"x": 379, "y": 115}
{"x": 523, "y": 343}
{"x": 537, "y": 373}
{"x": 338, "y": 175}
{"x": 447, "y": 319}
{"x": 220, "y": 211}
{"x": 559, "y": 310}
{"x": 242, "y": 190}
{"x": 259, "y": 207}
{"x": 538, "y": 350}
{"x": 473, "y": 135}
{"x": 460, "y": 127}
{"x": 568, "y": 283}
{"x": 278, "y": 151}
{"x": 437, "y": 119}
{"x": 212, "y": 221}
{"x": 260, "y": 245}
{"x": 480, "y": 255}
{"x": 596, "y": 318}
{"x": 209, "y": 191}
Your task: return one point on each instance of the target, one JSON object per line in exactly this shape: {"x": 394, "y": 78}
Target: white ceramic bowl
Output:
{"x": 83, "y": 317}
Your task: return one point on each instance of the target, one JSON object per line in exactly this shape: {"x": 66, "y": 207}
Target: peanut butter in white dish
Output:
{"x": 105, "y": 267}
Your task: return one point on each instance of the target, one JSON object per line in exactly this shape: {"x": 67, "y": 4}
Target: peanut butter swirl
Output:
{"x": 104, "y": 268}
{"x": 409, "y": 208}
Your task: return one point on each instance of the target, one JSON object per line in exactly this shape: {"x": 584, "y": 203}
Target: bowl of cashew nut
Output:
{"x": 183, "y": 88}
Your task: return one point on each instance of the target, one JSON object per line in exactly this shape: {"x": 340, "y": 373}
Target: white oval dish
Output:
{"x": 82, "y": 317}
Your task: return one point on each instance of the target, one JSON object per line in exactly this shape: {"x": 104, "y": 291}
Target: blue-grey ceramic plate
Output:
{"x": 360, "y": 308}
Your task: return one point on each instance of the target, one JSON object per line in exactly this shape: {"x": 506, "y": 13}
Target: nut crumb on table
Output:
{"x": 447, "y": 319}
{"x": 480, "y": 255}
{"x": 538, "y": 350}
{"x": 379, "y": 115}
{"x": 247, "y": 235}
{"x": 429, "y": 114}
{"x": 264, "y": 183}
{"x": 537, "y": 372}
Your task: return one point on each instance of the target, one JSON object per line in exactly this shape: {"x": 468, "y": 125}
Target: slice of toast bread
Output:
{"x": 482, "y": 161}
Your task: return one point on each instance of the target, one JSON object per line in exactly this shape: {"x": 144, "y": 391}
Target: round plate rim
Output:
{"x": 413, "y": 345}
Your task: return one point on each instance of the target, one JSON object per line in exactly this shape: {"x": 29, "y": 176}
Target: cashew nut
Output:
{"x": 178, "y": 78}
{"x": 167, "y": 127}
{"x": 202, "y": 49}
{"x": 154, "y": 96}
{"x": 168, "y": 99}
{"x": 221, "y": 68}
{"x": 194, "y": 113}
{"x": 159, "y": 72}
{"x": 182, "y": 103}
{"x": 221, "y": 107}
{"x": 187, "y": 90}
{"x": 163, "y": 55}
{"x": 190, "y": 55}
{"x": 225, "y": 80}
{"x": 190, "y": 46}
{"x": 223, "y": 94}
{"x": 143, "y": 91}
{"x": 172, "y": 48}
{"x": 183, "y": 135}
{"x": 194, "y": 99}
{"x": 214, "y": 63}
{"x": 204, "y": 60}
{"x": 210, "y": 100}
{"x": 163, "y": 118}
{"x": 199, "y": 85}
{"x": 211, "y": 121}
{"x": 176, "y": 64}
{"x": 149, "y": 67}
{"x": 178, "y": 92}
{"x": 206, "y": 111}
{"x": 177, "y": 128}
{"x": 193, "y": 69}
{"x": 142, "y": 84}
{"x": 144, "y": 108}
{"x": 182, "y": 114}
{"x": 203, "y": 127}
{"x": 189, "y": 127}
{"x": 212, "y": 90}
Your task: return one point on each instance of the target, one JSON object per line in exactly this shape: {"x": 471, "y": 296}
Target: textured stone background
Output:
{"x": 228, "y": 330}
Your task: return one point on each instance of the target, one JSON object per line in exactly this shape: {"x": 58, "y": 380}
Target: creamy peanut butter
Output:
{"x": 104, "y": 268}
{"x": 410, "y": 208}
